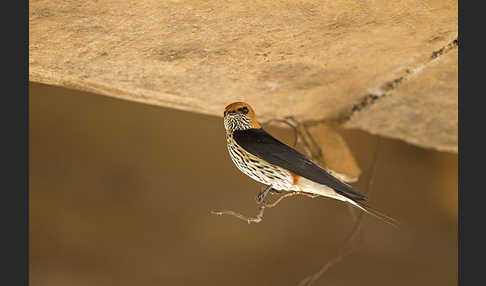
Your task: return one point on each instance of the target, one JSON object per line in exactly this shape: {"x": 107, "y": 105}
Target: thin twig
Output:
{"x": 287, "y": 122}
{"x": 349, "y": 244}
{"x": 344, "y": 251}
{"x": 261, "y": 208}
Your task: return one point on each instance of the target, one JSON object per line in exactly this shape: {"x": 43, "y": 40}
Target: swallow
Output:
{"x": 265, "y": 159}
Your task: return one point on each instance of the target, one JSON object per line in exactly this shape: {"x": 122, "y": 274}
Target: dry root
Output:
{"x": 261, "y": 208}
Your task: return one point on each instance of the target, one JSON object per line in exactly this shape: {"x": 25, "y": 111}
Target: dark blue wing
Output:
{"x": 261, "y": 144}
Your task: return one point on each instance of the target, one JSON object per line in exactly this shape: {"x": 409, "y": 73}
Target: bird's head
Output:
{"x": 239, "y": 116}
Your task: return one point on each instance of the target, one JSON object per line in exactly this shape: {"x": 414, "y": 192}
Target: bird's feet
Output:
{"x": 261, "y": 196}
{"x": 275, "y": 192}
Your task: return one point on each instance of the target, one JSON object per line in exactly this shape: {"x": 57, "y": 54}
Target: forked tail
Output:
{"x": 312, "y": 187}
{"x": 367, "y": 209}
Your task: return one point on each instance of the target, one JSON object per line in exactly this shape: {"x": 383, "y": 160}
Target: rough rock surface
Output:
{"x": 419, "y": 113}
{"x": 313, "y": 60}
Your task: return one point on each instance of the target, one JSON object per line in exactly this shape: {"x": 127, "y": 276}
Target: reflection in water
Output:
{"x": 121, "y": 194}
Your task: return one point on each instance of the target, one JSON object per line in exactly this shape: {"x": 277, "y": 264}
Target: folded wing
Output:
{"x": 261, "y": 144}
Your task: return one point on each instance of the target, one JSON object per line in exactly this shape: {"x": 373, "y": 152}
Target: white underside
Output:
{"x": 285, "y": 181}
{"x": 309, "y": 186}
{"x": 312, "y": 187}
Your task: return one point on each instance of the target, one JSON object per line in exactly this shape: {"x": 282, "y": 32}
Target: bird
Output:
{"x": 271, "y": 162}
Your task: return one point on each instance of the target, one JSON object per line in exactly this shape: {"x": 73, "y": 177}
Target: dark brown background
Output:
{"x": 121, "y": 194}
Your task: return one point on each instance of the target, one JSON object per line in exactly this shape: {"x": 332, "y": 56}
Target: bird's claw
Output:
{"x": 275, "y": 192}
{"x": 260, "y": 197}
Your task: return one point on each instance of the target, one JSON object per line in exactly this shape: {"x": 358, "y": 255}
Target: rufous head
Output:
{"x": 239, "y": 116}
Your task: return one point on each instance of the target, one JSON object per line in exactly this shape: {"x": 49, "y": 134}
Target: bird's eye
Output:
{"x": 243, "y": 110}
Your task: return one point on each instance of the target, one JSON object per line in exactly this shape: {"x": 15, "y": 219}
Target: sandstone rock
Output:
{"x": 309, "y": 59}
{"x": 423, "y": 110}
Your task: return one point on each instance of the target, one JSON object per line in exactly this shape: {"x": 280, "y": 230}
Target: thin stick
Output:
{"x": 345, "y": 251}
{"x": 258, "y": 218}
{"x": 301, "y": 133}
{"x": 349, "y": 244}
{"x": 261, "y": 208}
{"x": 285, "y": 121}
